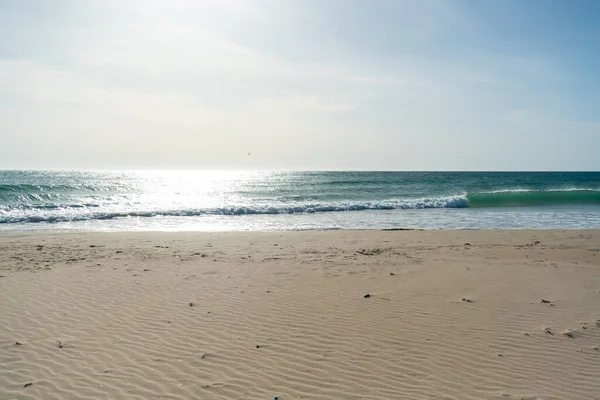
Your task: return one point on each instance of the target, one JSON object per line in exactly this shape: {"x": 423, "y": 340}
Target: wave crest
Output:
{"x": 49, "y": 210}
{"x": 528, "y": 198}
{"x": 67, "y": 213}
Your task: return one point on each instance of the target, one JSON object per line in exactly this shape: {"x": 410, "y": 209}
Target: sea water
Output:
{"x": 266, "y": 201}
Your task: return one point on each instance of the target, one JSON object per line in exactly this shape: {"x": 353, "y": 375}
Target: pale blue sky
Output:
{"x": 302, "y": 84}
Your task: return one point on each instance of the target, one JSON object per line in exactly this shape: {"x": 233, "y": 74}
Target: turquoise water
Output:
{"x": 216, "y": 201}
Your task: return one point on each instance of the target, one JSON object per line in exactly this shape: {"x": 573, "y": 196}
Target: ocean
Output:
{"x": 273, "y": 201}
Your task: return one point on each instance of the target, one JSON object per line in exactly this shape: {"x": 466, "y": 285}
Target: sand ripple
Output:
{"x": 285, "y": 315}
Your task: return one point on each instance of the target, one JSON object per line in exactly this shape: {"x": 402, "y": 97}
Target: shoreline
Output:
{"x": 289, "y": 231}
{"x": 367, "y": 314}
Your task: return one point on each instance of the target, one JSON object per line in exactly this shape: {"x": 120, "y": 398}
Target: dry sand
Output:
{"x": 258, "y": 315}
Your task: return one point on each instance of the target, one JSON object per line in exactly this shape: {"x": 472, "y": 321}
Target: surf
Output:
{"x": 531, "y": 198}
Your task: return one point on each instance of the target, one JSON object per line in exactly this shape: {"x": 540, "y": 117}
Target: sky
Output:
{"x": 300, "y": 84}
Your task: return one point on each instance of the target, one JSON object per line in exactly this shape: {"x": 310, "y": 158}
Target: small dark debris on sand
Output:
{"x": 258, "y": 346}
{"x": 467, "y": 300}
{"x": 191, "y": 304}
{"x": 145, "y": 270}
{"x": 569, "y": 335}
{"x": 93, "y": 245}
{"x": 59, "y": 344}
{"x": 28, "y": 384}
{"x": 118, "y": 251}
{"x": 548, "y": 331}
{"x": 366, "y": 296}
{"x": 546, "y": 301}
{"x": 370, "y": 252}
{"x": 392, "y": 274}
{"x": 18, "y": 344}
{"x": 204, "y": 355}
{"x": 537, "y": 242}
{"x": 467, "y": 244}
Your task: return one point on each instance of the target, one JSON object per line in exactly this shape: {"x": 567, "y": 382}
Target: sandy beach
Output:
{"x": 301, "y": 315}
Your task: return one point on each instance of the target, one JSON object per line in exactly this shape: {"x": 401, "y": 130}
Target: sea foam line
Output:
{"x": 15, "y": 214}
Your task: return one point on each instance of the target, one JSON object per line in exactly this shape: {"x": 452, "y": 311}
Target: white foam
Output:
{"x": 85, "y": 212}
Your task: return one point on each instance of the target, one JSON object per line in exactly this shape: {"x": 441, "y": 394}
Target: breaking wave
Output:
{"x": 71, "y": 212}
{"x": 36, "y": 208}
